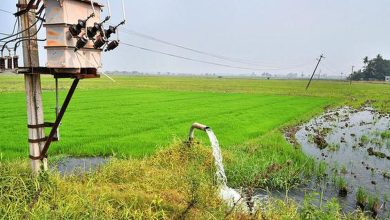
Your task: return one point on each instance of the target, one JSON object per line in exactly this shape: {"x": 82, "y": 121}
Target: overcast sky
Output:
{"x": 271, "y": 33}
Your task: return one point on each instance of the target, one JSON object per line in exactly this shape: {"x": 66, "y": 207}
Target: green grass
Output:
{"x": 175, "y": 183}
{"x": 132, "y": 122}
{"x": 354, "y": 94}
{"x": 135, "y": 116}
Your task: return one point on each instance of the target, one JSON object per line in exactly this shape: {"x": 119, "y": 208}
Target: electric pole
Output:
{"x": 350, "y": 78}
{"x": 315, "y": 69}
{"x": 36, "y": 134}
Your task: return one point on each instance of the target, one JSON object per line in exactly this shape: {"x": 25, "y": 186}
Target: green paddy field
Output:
{"x": 136, "y": 115}
{"x": 140, "y": 118}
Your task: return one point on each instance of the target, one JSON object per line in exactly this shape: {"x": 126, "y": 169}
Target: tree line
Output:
{"x": 374, "y": 69}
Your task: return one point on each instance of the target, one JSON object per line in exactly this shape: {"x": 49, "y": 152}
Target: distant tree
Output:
{"x": 374, "y": 69}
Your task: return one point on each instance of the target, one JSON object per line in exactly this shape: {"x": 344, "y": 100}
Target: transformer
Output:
{"x": 9, "y": 62}
{"x": 66, "y": 48}
{"x": 2, "y": 64}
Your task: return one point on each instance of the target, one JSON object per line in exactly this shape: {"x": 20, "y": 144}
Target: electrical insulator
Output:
{"x": 9, "y": 62}
{"x": 81, "y": 42}
{"x": 109, "y": 31}
{"x": 112, "y": 45}
{"x": 2, "y": 63}
{"x": 75, "y": 29}
{"x": 16, "y": 61}
{"x": 99, "y": 42}
{"x": 92, "y": 31}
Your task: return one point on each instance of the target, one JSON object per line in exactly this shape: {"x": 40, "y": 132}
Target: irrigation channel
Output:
{"x": 355, "y": 145}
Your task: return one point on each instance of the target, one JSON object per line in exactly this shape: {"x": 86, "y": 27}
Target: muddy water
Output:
{"x": 350, "y": 142}
{"x": 77, "y": 165}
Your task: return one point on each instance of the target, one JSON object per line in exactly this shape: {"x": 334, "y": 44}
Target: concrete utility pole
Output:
{"x": 32, "y": 81}
{"x": 350, "y": 78}
{"x": 315, "y": 69}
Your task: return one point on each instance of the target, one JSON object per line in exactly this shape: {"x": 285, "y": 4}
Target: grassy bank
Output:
{"x": 175, "y": 183}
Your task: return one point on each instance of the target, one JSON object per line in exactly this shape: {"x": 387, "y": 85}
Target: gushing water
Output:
{"x": 221, "y": 176}
{"x": 228, "y": 194}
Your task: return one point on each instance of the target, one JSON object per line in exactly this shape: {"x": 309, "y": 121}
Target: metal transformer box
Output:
{"x": 60, "y": 14}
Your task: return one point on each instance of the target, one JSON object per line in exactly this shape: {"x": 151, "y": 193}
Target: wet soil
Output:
{"x": 350, "y": 142}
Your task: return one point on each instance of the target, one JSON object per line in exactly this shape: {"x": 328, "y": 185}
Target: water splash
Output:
{"x": 231, "y": 196}
{"x": 221, "y": 176}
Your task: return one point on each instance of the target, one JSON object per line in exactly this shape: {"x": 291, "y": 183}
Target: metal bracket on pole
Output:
{"x": 57, "y": 108}
{"x": 53, "y": 131}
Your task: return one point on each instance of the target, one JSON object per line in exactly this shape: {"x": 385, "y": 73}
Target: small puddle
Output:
{"x": 78, "y": 165}
{"x": 356, "y": 147}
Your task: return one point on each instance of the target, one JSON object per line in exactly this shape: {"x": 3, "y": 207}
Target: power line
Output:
{"x": 13, "y": 30}
{"x": 333, "y": 71}
{"x": 5, "y": 11}
{"x": 226, "y": 58}
{"x": 38, "y": 16}
{"x": 24, "y": 38}
{"x": 191, "y": 59}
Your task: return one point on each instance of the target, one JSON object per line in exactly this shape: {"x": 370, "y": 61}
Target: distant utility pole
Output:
{"x": 350, "y": 77}
{"x": 315, "y": 69}
{"x": 36, "y": 134}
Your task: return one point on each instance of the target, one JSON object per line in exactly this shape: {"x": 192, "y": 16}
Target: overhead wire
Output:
{"x": 24, "y": 38}
{"x": 20, "y": 41}
{"x": 13, "y": 29}
{"x": 124, "y": 30}
{"x": 29, "y": 27}
{"x": 192, "y": 59}
{"x": 20, "y": 32}
{"x": 221, "y": 57}
{"x": 329, "y": 69}
{"x": 5, "y": 11}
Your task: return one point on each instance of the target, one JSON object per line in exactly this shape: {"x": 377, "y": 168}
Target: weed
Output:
{"x": 377, "y": 141}
{"x": 342, "y": 185}
{"x": 364, "y": 139}
{"x": 333, "y": 147}
{"x": 374, "y": 204}
{"x": 386, "y": 174}
{"x": 343, "y": 170}
{"x": 174, "y": 181}
{"x": 385, "y": 135}
{"x": 311, "y": 211}
{"x": 385, "y": 199}
{"x": 361, "y": 198}
{"x": 321, "y": 169}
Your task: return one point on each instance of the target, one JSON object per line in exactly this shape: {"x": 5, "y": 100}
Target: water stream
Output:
{"x": 231, "y": 196}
